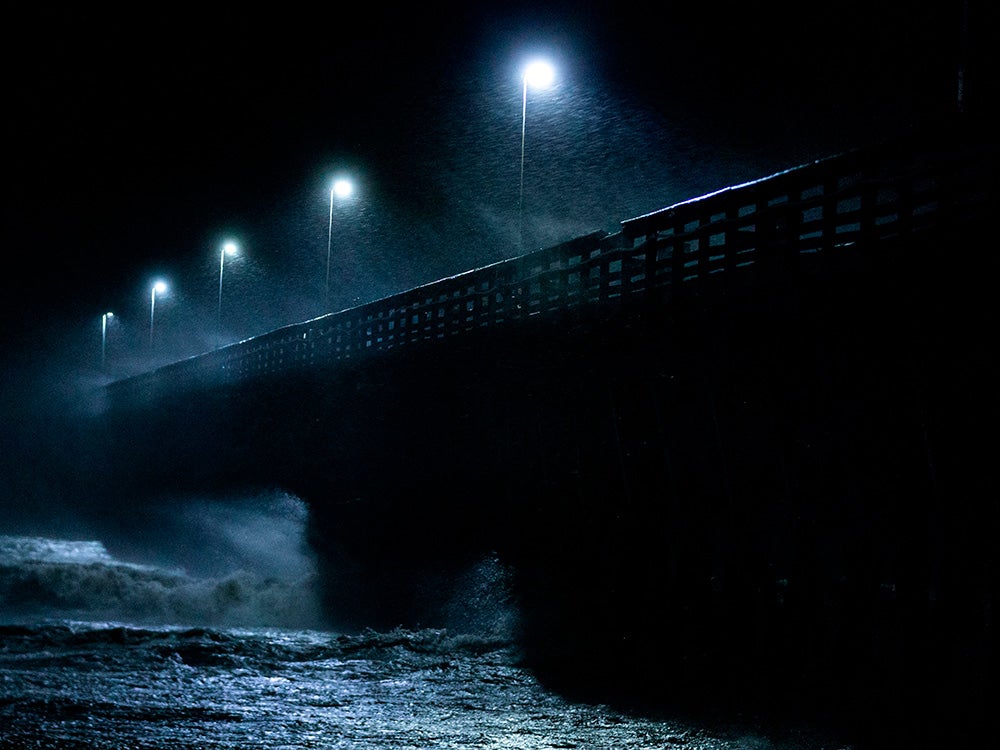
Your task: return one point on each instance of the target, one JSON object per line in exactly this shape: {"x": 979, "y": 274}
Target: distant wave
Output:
{"x": 59, "y": 578}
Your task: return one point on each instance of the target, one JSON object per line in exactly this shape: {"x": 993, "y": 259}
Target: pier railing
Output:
{"x": 808, "y": 213}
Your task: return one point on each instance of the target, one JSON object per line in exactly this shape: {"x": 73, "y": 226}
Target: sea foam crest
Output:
{"x": 19, "y": 549}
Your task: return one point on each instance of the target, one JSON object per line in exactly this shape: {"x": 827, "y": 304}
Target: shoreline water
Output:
{"x": 76, "y": 671}
{"x": 68, "y": 685}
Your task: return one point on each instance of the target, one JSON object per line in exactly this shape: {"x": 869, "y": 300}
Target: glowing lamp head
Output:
{"x": 343, "y": 188}
{"x": 159, "y": 287}
{"x": 230, "y": 248}
{"x": 539, "y": 75}
{"x": 109, "y": 315}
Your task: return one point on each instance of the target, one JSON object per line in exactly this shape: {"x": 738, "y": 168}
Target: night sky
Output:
{"x": 138, "y": 140}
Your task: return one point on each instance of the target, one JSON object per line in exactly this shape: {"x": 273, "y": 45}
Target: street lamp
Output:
{"x": 341, "y": 188}
{"x": 104, "y": 335}
{"x": 538, "y": 74}
{"x": 158, "y": 287}
{"x": 228, "y": 248}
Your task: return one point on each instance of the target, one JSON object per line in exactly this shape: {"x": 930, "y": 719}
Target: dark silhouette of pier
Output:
{"x": 739, "y": 453}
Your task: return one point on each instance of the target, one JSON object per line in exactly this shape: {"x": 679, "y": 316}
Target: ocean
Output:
{"x": 100, "y": 648}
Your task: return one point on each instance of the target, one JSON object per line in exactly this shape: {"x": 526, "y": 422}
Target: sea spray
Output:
{"x": 225, "y": 564}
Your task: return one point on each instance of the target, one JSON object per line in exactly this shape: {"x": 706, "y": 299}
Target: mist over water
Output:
{"x": 235, "y": 562}
{"x": 201, "y": 564}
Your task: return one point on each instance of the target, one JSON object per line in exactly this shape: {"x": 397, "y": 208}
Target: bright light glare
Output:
{"x": 343, "y": 188}
{"x": 109, "y": 315}
{"x": 539, "y": 74}
{"x": 160, "y": 287}
{"x": 230, "y": 248}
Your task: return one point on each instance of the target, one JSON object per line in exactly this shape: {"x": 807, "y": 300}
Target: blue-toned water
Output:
{"x": 97, "y": 651}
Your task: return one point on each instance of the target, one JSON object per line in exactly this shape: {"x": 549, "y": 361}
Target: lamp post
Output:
{"x": 342, "y": 188}
{"x": 158, "y": 287}
{"x": 228, "y": 248}
{"x": 538, "y": 74}
{"x": 104, "y": 336}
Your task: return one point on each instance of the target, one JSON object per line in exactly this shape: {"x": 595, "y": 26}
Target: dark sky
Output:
{"x": 137, "y": 138}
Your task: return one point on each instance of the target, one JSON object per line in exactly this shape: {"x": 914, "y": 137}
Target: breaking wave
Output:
{"x": 80, "y": 580}
{"x": 48, "y": 578}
